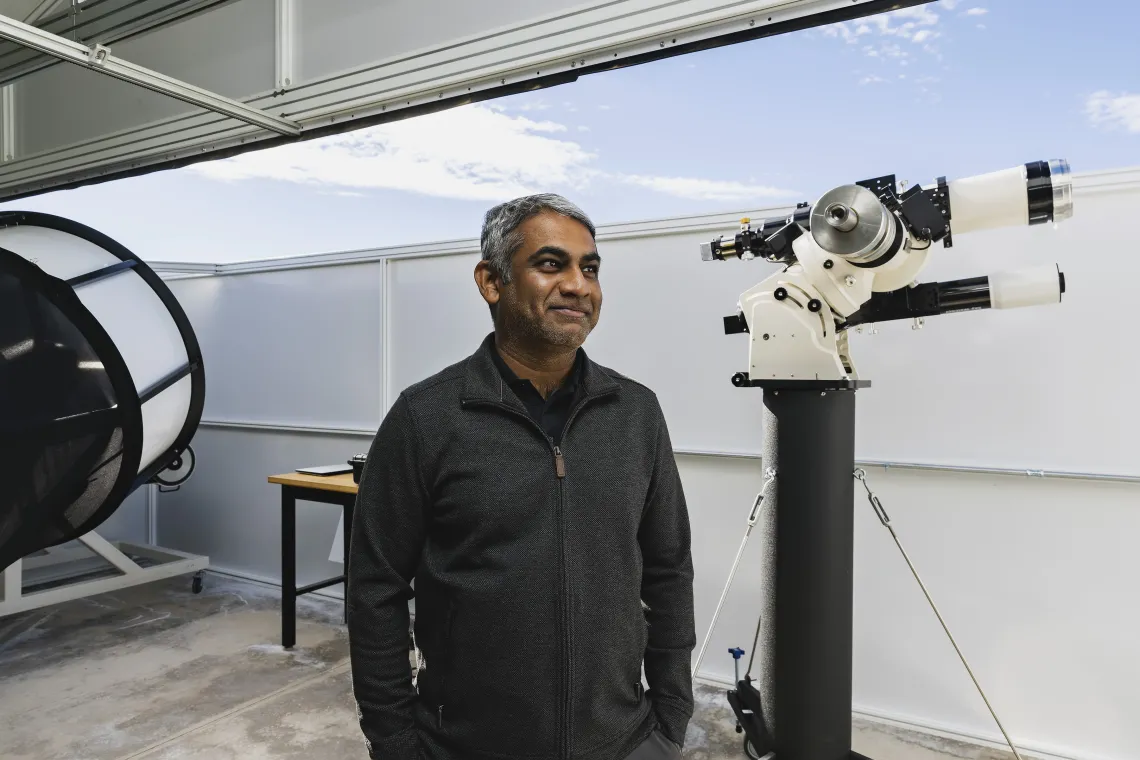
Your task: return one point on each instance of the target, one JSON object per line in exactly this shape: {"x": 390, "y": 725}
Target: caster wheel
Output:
{"x": 749, "y": 750}
{"x": 196, "y": 584}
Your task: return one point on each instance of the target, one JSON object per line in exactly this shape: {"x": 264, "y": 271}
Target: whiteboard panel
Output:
{"x": 297, "y": 347}
{"x": 1042, "y": 388}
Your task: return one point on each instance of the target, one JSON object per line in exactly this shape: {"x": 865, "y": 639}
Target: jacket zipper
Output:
{"x": 560, "y": 473}
{"x": 559, "y": 463}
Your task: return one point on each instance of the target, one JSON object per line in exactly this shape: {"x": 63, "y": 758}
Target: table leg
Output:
{"x": 288, "y": 567}
{"x": 347, "y": 537}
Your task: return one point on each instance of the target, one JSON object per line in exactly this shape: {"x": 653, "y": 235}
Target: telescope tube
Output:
{"x": 1033, "y": 193}
{"x": 1034, "y": 286}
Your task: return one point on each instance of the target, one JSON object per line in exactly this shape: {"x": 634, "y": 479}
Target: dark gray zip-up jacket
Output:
{"x": 530, "y": 564}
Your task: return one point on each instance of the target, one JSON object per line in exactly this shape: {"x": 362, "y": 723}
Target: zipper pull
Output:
{"x": 559, "y": 463}
{"x": 441, "y": 716}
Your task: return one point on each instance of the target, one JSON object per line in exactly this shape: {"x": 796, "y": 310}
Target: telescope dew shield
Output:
{"x": 1035, "y": 286}
{"x": 101, "y": 380}
{"x": 1033, "y": 193}
{"x": 1026, "y": 287}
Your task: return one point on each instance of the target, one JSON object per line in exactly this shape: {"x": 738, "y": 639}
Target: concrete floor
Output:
{"x": 158, "y": 673}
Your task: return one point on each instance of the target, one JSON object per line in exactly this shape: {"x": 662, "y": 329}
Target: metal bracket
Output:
{"x": 97, "y": 54}
{"x": 7, "y": 122}
{"x": 284, "y": 44}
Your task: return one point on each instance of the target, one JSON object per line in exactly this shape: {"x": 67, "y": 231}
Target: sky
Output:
{"x": 954, "y": 88}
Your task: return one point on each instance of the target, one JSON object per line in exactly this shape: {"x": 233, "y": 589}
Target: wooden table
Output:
{"x": 330, "y": 489}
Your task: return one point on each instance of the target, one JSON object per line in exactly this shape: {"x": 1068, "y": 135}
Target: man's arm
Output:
{"x": 667, "y": 590}
{"x": 388, "y": 530}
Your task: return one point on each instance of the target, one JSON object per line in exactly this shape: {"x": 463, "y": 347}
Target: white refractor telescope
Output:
{"x": 853, "y": 257}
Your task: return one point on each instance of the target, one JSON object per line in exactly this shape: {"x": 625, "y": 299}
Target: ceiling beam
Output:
{"x": 40, "y": 11}
{"x": 98, "y": 58}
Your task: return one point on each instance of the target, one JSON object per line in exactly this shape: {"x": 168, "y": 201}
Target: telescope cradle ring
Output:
{"x": 55, "y": 331}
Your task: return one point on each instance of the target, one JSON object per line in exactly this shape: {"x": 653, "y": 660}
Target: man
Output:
{"x": 533, "y": 498}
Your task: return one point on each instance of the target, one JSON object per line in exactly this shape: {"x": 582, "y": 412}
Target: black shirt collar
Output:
{"x": 569, "y": 386}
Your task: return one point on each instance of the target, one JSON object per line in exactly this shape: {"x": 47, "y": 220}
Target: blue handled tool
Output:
{"x": 736, "y": 653}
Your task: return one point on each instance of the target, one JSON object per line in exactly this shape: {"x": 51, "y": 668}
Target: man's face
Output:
{"x": 554, "y": 296}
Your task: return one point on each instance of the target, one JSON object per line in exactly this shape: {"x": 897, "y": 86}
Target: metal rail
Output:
{"x": 98, "y": 58}
{"x": 273, "y": 427}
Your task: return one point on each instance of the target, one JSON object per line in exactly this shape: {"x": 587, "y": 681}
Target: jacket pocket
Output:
{"x": 433, "y": 679}
{"x": 446, "y": 659}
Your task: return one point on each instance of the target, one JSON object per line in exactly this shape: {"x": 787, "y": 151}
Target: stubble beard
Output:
{"x": 539, "y": 331}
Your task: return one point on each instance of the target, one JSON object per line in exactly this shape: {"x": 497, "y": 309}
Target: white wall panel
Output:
{"x": 435, "y": 317}
{"x": 230, "y": 512}
{"x": 1034, "y": 578}
{"x": 300, "y": 347}
{"x": 128, "y": 522}
{"x": 1030, "y": 575}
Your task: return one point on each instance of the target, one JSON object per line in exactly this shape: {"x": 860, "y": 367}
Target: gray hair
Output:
{"x": 501, "y": 236}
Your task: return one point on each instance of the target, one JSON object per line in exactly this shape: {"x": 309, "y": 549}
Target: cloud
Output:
{"x": 872, "y": 79}
{"x": 950, "y": 4}
{"x": 1114, "y": 111}
{"x": 880, "y": 35}
{"x": 473, "y": 152}
{"x": 537, "y": 105}
{"x": 977, "y": 12}
{"x": 709, "y": 190}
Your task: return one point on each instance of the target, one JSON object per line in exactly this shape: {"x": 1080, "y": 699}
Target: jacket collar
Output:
{"x": 484, "y": 382}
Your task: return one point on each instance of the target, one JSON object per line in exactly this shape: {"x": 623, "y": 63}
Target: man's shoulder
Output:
{"x": 635, "y": 390}
{"x": 446, "y": 380}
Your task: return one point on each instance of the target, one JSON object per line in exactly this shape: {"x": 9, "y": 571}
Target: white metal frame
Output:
{"x": 559, "y": 45}
{"x": 98, "y": 58}
{"x": 110, "y": 21}
{"x": 170, "y": 563}
{"x": 285, "y": 41}
{"x": 41, "y": 11}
